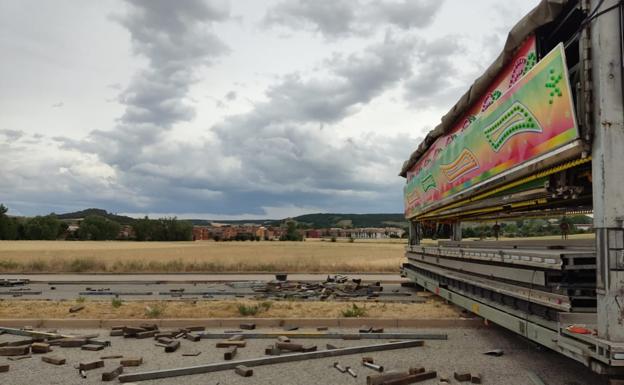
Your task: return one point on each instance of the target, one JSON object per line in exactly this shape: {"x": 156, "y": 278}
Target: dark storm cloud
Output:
{"x": 344, "y": 18}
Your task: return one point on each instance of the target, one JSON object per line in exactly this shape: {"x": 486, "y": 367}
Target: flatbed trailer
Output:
{"x": 540, "y": 134}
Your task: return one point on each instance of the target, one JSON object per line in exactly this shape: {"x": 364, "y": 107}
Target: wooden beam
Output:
{"x": 220, "y": 366}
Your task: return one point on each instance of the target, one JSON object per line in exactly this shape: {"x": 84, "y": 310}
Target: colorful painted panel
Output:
{"x": 531, "y": 118}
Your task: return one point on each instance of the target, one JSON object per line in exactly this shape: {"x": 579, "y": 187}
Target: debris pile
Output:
{"x": 334, "y": 287}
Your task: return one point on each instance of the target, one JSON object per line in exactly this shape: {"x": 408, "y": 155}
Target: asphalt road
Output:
{"x": 463, "y": 351}
{"x": 152, "y": 287}
{"x": 190, "y": 277}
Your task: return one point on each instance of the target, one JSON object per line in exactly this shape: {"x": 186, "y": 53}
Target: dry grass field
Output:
{"x": 311, "y": 256}
{"x": 206, "y": 256}
{"x": 434, "y": 308}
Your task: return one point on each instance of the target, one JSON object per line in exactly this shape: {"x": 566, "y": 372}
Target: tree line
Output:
{"x": 92, "y": 227}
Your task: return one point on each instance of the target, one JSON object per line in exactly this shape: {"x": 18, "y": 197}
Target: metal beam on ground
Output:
{"x": 329, "y": 336}
{"x": 220, "y": 366}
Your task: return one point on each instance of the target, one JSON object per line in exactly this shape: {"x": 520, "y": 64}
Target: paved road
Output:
{"x": 461, "y": 352}
{"x": 191, "y": 277}
{"x": 162, "y": 287}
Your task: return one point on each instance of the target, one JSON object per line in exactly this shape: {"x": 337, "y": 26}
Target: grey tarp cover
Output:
{"x": 544, "y": 13}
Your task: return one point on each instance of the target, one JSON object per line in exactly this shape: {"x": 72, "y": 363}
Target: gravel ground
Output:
{"x": 462, "y": 352}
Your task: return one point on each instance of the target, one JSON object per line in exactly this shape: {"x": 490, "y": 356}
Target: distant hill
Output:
{"x": 206, "y": 222}
{"x": 308, "y": 220}
{"x": 103, "y": 213}
{"x": 352, "y": 220}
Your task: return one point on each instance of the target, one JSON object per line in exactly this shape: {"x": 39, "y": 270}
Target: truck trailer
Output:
{"x": 539, "y": 134}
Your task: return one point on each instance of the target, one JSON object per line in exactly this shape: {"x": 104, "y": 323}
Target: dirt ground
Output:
{"x": 433, "y": 308}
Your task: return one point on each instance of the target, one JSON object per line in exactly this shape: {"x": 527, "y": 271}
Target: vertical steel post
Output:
{"x": 607, "y": 167}
{"x": 456, "y": 233}
{"x": 414, "y": 232}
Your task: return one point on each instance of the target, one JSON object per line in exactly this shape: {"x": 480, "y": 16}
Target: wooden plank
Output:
{"x": 220, "y": 366}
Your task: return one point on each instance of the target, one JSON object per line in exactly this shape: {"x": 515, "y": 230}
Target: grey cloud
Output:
{"x": 274, "y": 155}
{"x": 12, "y": 135}
{"x": 177, "y": 40}
{"x": 332, "y": 18}
{"x": 279, "y": 142}
{"x": 407, "y": 14}
{"x": 57, "y": 105}
{"x": 232, "y": 95}
{"x": 354, "y": 80}
{"x": 344, "y": 18}
{"x": 435, "y": 82}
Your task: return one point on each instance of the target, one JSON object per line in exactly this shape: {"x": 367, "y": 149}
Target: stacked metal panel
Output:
{"x": 541, "y": 277}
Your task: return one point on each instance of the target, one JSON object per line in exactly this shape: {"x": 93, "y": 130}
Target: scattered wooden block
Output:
{"x": 247, "y": 326}
{"x": 291, "y": 328}
{"x": 283, "y": 339}
{"x": 377, "y": 330}
{"x": 92, "y": 347}
{"x": 131, "y": 361}
{"x": 227, "y": 344}
{"x": 365, "y": 329}
{"x": 475, "y": 378}
{"x": 14, "y": 350}
{"x": 172, "y": 347}
{"x": 191, "y": 354}
{"x": 4, "y": 368}
{"x": 89, "y": 365}
{"x": 308, "y": 348}
{"x": 195, "y": 328}
{"x": 118, "y": 327}
{"x": 289, "y": 346}
{"x": 40, "y": 347}
{"x": 111, "y": 357}
{"x": 130, "y": 331}
{"x": 17, "y": 358}
{"x": 54, "y": 360}
{"x": 462, "y": 376}
{"x": 109, "y": 376}
{"x": 76, "y": 308}
{"x": 230, "y": 353}
{"x": 149, "y": 326}
{"x": 331, "y": 347}
{"x": 243, "y": 371}
{"x": 272, "y": 351}
{"x": 146, "y": 334}
{"x": 116, "y": 333}
{"x": 26, "y": 341}
{"x": 322, "y": 328}
{"x": 164, "y": 335}
{"x": 92, "y": 341}
{"x": 71, "y": 342}
{"x": 193, "y": 337}
{"x": 412, "y": 378}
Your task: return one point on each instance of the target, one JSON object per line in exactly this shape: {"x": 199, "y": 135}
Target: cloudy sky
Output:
{"x": 229, "y": 109}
